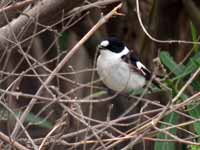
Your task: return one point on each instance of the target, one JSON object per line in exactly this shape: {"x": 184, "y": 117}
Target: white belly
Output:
{"x": 116, "y": 74}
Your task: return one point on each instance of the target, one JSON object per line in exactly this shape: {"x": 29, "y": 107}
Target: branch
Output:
{"x": 153, "y": 38}
{"x": 12, "y": 142}
{"x": 74, "y": 50}
{"x": 45, "y": 12}
{"x": 92, "y": 5}
{"x": 16, "y": 6}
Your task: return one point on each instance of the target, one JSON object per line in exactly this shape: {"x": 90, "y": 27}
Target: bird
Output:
{"x": 119, "y": 68}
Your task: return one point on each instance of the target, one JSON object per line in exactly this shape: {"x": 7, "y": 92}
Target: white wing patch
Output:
{"x": 104, "y": 43}
{"x": 140, "y": 66}
{"x": 125, "y": 51}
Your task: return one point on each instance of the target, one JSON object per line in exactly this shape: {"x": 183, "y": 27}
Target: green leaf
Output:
{"x": 195, "y": 147}
{"x": 35, "y": 120}
{"x": 63, "y": 41}
{"x": 31, "y": 118}
{"x": 194, "y": 112}
{"x": 194, "y": 37}
{"x": 196, "y": 85}
{"x": 190, "y": 68}
{"x": 171, "y": 119}
{"x": 169, "y": 62}
{"x": 181, "y": 71}
{"x": 3, "y": 114}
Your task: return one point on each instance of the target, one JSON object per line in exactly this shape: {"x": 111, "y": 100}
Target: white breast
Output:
{"x": 116, "y": 74}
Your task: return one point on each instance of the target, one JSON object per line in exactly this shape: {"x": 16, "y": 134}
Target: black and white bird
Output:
{"x": 119, "y": 68}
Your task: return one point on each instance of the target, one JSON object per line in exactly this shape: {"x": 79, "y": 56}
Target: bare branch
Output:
{"x": 102, "y": 21}
{"x": 12, "y": 142}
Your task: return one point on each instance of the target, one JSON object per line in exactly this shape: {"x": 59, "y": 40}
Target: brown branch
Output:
{"x": 91, "y": 5}
{"x": 49, "y": 134}
{"x": 16, "y": 6}
{"x": 12, "y": 142}
{"x": 44, "y": 12}
{"x": 153, "y": 38}
{"x": 143, "y": 128}
{"x": 186, "y": 85}
{"x": 75, "y": 49}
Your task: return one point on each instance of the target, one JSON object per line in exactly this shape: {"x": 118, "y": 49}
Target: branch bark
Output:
{"x": 45, "y": 12}
{"x": 12, "y": 142}
{"x": 102, "y": 21}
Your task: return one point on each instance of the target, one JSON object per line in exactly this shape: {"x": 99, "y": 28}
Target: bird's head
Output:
{"x": 114, "y": 45}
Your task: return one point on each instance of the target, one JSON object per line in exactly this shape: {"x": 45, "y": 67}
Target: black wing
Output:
{"x": 137, "y": 66}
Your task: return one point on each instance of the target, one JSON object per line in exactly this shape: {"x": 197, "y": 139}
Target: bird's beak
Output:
{"x": 99, "y": 47}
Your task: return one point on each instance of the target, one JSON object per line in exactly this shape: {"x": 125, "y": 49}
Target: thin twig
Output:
{"x": 186, "y": 85}
{"x": 176, "y": 138}
{"x": 74, "y": 50}
{"x": 12, "y": 142}
{"x": 49, "y": 134}
{"x": 17, "y": 5}
{"x": 155, "y": 39}
{"x": 143, "y": 128}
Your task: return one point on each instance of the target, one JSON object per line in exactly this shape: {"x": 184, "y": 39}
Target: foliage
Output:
{"x": 180, "y": 73}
